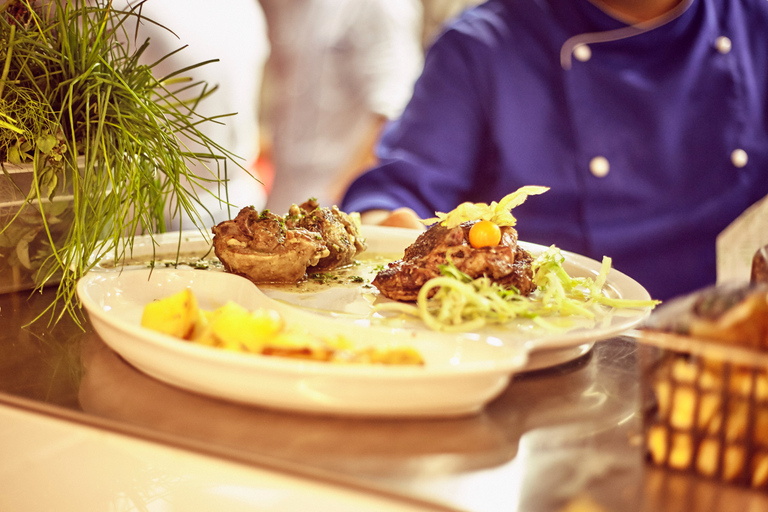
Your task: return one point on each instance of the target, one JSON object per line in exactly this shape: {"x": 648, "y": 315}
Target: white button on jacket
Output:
{"x": 599, "y": 166}
{"x": 723, "y": 44}
{"x": 582, "y": 53}
{"x": 739, "y": 158}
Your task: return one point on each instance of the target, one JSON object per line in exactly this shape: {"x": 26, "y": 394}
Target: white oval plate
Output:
{"x": 354, "y": 303}
{"x": 461, "y": 374}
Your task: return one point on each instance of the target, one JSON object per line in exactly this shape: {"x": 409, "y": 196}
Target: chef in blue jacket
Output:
{"x": 648, "y": 120}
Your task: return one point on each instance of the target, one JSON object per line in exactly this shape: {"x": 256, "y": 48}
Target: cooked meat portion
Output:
{"x": 261, "y": 248}
{"x": 267, "y": 248}
{"x": 506, "y": 264}
{"x": 340, "y": 231}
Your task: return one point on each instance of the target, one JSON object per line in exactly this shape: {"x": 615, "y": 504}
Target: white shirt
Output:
{"x": 335, "y": 65}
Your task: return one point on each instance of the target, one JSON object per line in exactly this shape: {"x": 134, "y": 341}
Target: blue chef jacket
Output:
{"x": 652, "y": 137}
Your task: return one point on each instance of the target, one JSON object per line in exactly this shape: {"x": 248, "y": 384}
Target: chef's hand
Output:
{"x": 399, "y": 218}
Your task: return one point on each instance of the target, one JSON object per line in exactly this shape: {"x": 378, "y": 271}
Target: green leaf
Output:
{"x": 46, "y": 143}
{"x": 51, "y": 186}
{"x": 14, "y": 155}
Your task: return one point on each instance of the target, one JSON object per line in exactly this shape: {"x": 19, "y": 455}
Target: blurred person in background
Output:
{"x": 234, "y": 33}
{"x": 439, "y": 12}
{"x": 338, "y": 70}
{"x": 647, "y": 119}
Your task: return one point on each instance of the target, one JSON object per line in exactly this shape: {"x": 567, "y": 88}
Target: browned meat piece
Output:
{"x": 340, "y": 231}
{"x": 506, "y": 264}
{"x": 261, "y": 248}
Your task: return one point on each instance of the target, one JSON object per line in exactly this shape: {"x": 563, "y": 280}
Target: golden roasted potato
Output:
{"x": 233, "y": 327}
{"x": 177, "y": 315}
{"x": 261, "y": 331}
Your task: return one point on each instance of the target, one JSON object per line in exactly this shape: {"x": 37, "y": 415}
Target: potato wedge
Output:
{"x": 235, "y": 328}
{"x": 177, "y": 315}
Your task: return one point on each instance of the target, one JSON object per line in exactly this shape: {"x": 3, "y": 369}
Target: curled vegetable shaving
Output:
{"x": 498, "y": 213}
{"x": 465, "y": 304}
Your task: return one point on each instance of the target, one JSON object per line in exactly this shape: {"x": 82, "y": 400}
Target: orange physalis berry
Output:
{"x": 484, "y": 234}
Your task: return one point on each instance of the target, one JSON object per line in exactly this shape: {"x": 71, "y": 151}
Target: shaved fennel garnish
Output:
{"x": 498, "y": 213}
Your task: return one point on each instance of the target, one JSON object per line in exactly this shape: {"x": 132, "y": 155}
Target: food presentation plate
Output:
{"x": 460, "y": 375}
{"x": 348, "y": 297}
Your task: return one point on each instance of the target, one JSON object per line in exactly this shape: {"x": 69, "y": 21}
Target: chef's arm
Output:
{"x": 400, "y": 218}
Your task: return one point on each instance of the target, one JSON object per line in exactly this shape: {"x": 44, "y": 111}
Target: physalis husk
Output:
{"x": 498, "y": 213}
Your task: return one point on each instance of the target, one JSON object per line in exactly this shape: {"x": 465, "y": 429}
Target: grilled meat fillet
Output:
{"x": 259, "y": 247}
{"x": 340, "y": 231}
{"x": 267, "y": 248}
{"x": 506, "y": 264}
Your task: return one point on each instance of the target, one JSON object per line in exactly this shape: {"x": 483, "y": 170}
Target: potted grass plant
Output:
{"x": 91, "y": 143}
